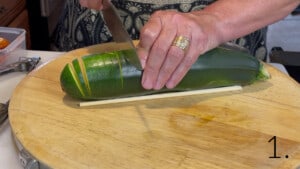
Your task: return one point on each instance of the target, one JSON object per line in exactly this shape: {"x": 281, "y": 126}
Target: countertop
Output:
{"x": 9, "y": 157}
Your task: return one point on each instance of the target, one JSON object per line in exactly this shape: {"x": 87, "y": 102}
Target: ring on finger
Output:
{"x": 181, "y": 42}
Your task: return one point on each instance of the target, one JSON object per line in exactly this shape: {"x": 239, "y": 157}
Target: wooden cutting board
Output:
{"x": 240, "y": 129}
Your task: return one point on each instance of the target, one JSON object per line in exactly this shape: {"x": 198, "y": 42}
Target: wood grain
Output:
{"x": 216, "y": 131}
{"x": 10, "y": 9}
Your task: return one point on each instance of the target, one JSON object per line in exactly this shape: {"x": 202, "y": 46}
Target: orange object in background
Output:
{"x": 12, "y": 44}
{"x": 3, "y": 43}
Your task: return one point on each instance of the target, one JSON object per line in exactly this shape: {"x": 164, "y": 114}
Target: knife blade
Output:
{"x": 119, "y": 33}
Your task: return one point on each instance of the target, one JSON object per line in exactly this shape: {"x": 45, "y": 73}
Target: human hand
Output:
{"x": 164, "y": 63}
{"x": 94, "y": 4}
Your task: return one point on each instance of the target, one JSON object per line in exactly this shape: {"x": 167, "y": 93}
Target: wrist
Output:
{"x": 212, "y": 26}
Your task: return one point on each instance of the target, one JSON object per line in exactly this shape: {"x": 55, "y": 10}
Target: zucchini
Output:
{"x": 109, "y": 75}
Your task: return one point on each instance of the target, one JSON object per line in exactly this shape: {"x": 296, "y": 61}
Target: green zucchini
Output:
{"x": 109, "y": 75}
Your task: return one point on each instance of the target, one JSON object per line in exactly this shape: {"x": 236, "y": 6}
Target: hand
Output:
{"x": 94, "y": 4}
{"x": 164, "y": 63}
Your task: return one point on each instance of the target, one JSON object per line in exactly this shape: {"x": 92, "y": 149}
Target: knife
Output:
{"x": 119, "y": 33}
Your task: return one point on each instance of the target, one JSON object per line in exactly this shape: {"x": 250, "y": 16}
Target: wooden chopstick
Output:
{"x": 160, "y": 96}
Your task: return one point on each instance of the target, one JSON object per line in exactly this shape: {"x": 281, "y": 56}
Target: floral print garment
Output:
{"x": 80, "y": 27}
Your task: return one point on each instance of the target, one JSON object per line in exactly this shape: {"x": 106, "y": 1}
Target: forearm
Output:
{"x": 236, "y": 18}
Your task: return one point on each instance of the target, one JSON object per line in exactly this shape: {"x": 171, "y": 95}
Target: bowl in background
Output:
{"x": 17, "y": 44}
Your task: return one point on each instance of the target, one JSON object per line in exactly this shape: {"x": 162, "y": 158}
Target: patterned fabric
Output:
{"x": 81, "y": 27}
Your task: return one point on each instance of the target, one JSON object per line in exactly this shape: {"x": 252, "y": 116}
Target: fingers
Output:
{"x": 186, "y": 63}
{"x": 165, "y": 64}
{"x": 157, "y": 55}
{"x": 92, "y": 4}
{"x": 174, "y": 59}
{"x": 148, "y": 35}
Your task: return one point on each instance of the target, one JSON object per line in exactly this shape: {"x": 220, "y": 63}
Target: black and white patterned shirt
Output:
{"x": 80, "y": 27}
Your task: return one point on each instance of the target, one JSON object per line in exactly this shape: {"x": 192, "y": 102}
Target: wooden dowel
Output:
{"x": 160, "y": 96}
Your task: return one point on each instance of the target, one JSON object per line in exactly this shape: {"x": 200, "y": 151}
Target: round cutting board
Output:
{"x": 242, "y": 129}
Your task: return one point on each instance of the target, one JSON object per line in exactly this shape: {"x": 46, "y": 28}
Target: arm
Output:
{"x": 246, "y": 16}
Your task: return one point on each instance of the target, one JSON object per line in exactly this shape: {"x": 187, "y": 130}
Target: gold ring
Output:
{"x": 181, "y": 42}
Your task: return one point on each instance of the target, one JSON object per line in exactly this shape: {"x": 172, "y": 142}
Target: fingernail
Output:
{"x": 147, "y": 84}
{"x": 159, "y": 83}
{"x": 170, "y": 85}
{"x": 158, "y": 86}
